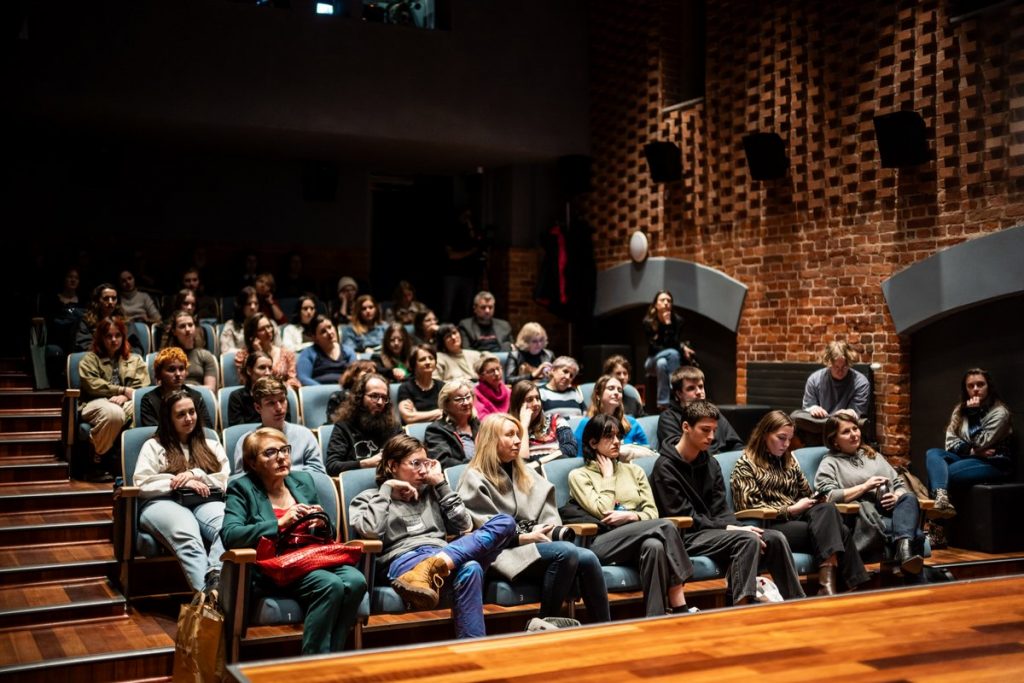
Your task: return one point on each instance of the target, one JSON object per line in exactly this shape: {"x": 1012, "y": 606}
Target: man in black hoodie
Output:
{"x": 687, "y": 481}
{"x": 688, "y": 385}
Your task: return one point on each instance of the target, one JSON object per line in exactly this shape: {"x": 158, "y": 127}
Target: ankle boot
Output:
{"x": 827, "y": 579}
{"x": 420, "y": 586}
{"x": 909, "y": 562}
{"x": 943, "y": 508}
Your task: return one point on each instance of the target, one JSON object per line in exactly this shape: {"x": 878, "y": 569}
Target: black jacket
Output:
{"x": 670, "y": 430}
{"x": 691, "y": 489}
{"x": 444, "y": 444}
{"x": 348, "y": 446}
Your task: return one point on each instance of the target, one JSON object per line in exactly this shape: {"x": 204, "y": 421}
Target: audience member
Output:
{"x": 687, "y": 481}
{"x": 413, "y": 513}
{"x": 530, "y": 358}
{"x": 355, "y": 372}
{"x": 232, "y": 335}
{"x": 620, "y": 368}
{"x": 325, "y": 360}
{"x": 170, "y": 367}
{"x": 607, "y": 399}
{"x": 206, "y": 306}
{"x": 454, "y": 361}
{"x": 498, "y": 482}
{"x": 260, "y": 336}
{"x": 182, "y": 333}
{"x": 365, "y": 331}
{"x": 417, "y": 397}
{"x": 104, "y": 304}
{"x": 769, "y": 477}
{"x": 888, "y": 517}
{"x": 271, "y": 497}
{"x": 137, "y": 305}
{"x": 184, "y": 300}
{"x": 182, "y": 476}
{"x": 425, "y": 328}
{"x": 294, "y": 282}
{"x": 482, "y": 331}
{"x": 664, "y": 329}
{"x": 617, "y": 496}
{"x": 270, "y": 397}
{"x": 63, "y": 312}
{"x": 549, "y": 436}
{"x": 835, "y": 388}
{"x": 491, "y": 394}
{"x": 464, "y": 251}
{"x": 687, "y": 386}
{"x": 265, "y": 287}
{"x": 451, "y": 440}
{"x": 559, "y": 395}
{"x": 404, "y": 306}
{"x": 366, "y": 422}
{"x": 343, "y": 310}
{"x": 241, "y": 407}
{"x": 394, "y": 353}
{"x": 301, "y": 333}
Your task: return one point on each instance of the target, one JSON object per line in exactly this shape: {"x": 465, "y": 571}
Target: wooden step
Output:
{"x": 66, "y": 495}
{"x": 30, "y": 443}
{"x": 68, "y": 561}
{"x": 51, "y": 603}
{"x": 15, "y": 380}
{"x": 27, "y": 398}
{"x": 32, "y": 468}
{"x": 62, "y": 526}
{"x": 29, "y": 420}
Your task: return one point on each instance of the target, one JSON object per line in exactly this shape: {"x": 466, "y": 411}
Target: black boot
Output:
{"x": 827, "y": 580}
{"x": 909, "y": 562}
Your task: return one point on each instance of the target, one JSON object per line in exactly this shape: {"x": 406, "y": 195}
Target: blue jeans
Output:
{"x": 560, "y": 564}
{"x": 945, "y": 468}
{"x": 905, "y": 518}
{"x": 472, "y": 554}
{"x": 663, "y": 364}
{"x": 187, "y": 533}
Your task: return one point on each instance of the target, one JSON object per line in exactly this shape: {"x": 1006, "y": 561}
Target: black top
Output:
{"x": 422, "y": 400}
{"x": 670, "y": 430}
{"x": 153, "y": 400}
{"x": 241, "y": 409}
{"x": 691, "y": 490}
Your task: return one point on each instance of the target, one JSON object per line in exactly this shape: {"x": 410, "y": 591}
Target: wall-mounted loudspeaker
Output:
{"x": 574, "y": 174}
{"x": 664, "y": 160}
{"x": 902, "y": 139}
{"x": 766, "y": 156}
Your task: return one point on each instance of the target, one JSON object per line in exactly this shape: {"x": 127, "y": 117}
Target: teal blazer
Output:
{"x": 248, "y": 514}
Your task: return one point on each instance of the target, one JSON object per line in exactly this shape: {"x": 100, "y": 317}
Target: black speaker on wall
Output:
{"x": 574, "y": 174}
{"x": 902, "y": 139}
{"x": 664, "y": 161}
{"x": 766, "y": 156}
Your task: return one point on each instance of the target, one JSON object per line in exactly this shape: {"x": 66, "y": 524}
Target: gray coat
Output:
{"x": 484, "y": 500}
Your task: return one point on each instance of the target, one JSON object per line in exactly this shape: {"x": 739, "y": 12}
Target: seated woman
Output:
{"x": 404, "y": 306}
{"x": 170, "y": 367}
{"x": 260, "y": 336}
{"x": 548, "y": 435}
{"x": 606, "y": 399}
{"x": 417, "y": 397}
{"x": 888, "y": 516}
{"x": 618, "y": 496}
{"x": 498, "y": 482}
{"x": 978, "y": 441}
{"x": 241, "y": 408}
{"x": 110, "y": 373}
{"x": 451, "y": 440}
{"x": 232, "y": 336}
{"x": 768, "y": 476}
{"x": 342, "y": 309}
{"x": 394, "y": 353}
{"x": 454, "y": 362}
{"x": 365, "y": 331}
{"x": 183, "y": 334}
{"x": 663, "y": 327}
{"x": 325, "y": 360}
{"x": 268, "y": 498}
{"x": 425, "y": 327}
{"x": 184, "y": 300}
{"x": 301, "y": 333}
{"x": 530, "y": 358}
{"x": 104, "y": 304}
{"x": 412, "y": 513}
{"x": 265, "y": 287}
{"x": 180, "y": 458}
{"x": 619, "y": 367}
{"x": 491, "y": 394}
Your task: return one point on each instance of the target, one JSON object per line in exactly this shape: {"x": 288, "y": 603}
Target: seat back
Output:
{"x": 501, "y": 355}
{"x": 809, "y": 459}
{"x": 417, "y": 430}
{"x": 73, "y": 374}
{"x": 231, "y": 437}
{"x": 587, "y": 389}
{"x": 323, "y": 435}
{"x": 632, "y": 392}
{"x": 223, "y": 401}
{"x": 137, "y": 397}
{"x": 453, "y": 474}
{"x": 727, "y": 461}
{"x": 212, "y": 340}
{"x": 151, "y": 366}
{"x": 327, "y": 492}
{"x": 649, "y": 423}
{"x": 314, "y": 401}
{"x": 228, "y": 373}
{"x": 142, "y": 332}
{"x": 557, "y": 472}
{"x": 351, "y": 483}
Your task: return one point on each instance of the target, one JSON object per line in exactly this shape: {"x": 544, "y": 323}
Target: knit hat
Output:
{"x": 347, "y": 281}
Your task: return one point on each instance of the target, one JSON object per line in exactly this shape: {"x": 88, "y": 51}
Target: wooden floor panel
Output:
{"x": 25, "y": 556}
{"x": 55, "y": 517}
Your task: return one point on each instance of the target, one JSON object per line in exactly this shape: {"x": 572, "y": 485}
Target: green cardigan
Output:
{"x": 248, "y": 514}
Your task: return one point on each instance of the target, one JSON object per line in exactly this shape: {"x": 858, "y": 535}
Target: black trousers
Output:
{"x": 820, "y": 532}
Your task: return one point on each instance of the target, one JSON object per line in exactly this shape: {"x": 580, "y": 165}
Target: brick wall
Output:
{"x": 814, "y": 246}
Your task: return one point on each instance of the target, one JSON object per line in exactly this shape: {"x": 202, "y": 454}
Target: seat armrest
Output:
{"x": 757, "y": 513}
{"x": 926, "y": 504}
{"x": 848, "y": 508}
{"x": 239, "y": 555}
{"x": 583, "y": 528}
{"x": 370, "y": 547}
{"x": 127, "y": 492}
{"x": 681, "y": 522}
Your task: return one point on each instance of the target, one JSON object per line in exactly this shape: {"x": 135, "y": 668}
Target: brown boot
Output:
{"x": 827, "y": 579}
{"x": 943, "y": 508}
{"x": 420, "y": 585}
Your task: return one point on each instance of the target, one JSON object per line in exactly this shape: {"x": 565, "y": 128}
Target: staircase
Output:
{"x": 62, "y": 616}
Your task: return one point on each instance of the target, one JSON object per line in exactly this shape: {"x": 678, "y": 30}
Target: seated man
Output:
{"x": 484, "y": 332}
{"x": 559, "y": 395}
{"x": 365, "y": 422}
{"x": 687, "y": 481}
{"x": 687, "y": 386}
{"x": 270, "y": 397}
{"x": 836, "y": 388}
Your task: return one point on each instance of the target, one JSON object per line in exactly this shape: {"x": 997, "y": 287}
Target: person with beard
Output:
{"x": 688, "y": 386}
{"x": 366, "y": 422}
{"x": 452, "y": 439}
{"x": 270, "y": 396}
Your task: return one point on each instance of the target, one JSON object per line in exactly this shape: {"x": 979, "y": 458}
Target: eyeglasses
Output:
{"x": 378, "y": 398}
{"x": 468, "y": 398}
{"x": 496, "y": 370}
{"x": 285, "y": 450}
{"x": 419, "y": 464}
{"x": 539, "y": 340}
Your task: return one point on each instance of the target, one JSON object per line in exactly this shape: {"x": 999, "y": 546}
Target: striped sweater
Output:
{"x": 776, "y": 487}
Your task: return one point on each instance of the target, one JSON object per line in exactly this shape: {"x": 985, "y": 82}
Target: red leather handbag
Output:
{"x": 305, "y": 545}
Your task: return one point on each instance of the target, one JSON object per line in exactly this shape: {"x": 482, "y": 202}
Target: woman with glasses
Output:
{"x": 491, "y": 394}
{"x": 268, "y": 498}
{"x": 530, "y": 359}
{"x": 452, "y": 439}
{"x": 453, "y": 361}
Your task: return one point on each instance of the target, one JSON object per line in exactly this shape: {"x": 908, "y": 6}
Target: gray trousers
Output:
{"x": 742, "y": 552}
{"x": 655, "y": 546}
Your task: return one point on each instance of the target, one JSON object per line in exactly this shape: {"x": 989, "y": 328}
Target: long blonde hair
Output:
{"x": 486, "y": 461}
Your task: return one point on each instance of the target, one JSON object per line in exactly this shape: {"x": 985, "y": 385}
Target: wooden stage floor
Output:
{"x": 970, "y": 630}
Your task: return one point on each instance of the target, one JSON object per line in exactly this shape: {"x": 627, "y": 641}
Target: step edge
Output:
{"x": 84, "y": 660}
{"x": 62, "y": 565}
{"x": 81, "y": 604}
{"x": 57, "y": 525}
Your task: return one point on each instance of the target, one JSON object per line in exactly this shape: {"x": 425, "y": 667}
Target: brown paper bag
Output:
{"x": 199, "y": 645}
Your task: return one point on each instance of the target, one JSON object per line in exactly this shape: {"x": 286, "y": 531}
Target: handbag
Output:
{"x": 199, "y": 644}
{"x": 190, "y": 498}
{"x": 303, "y": 546}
